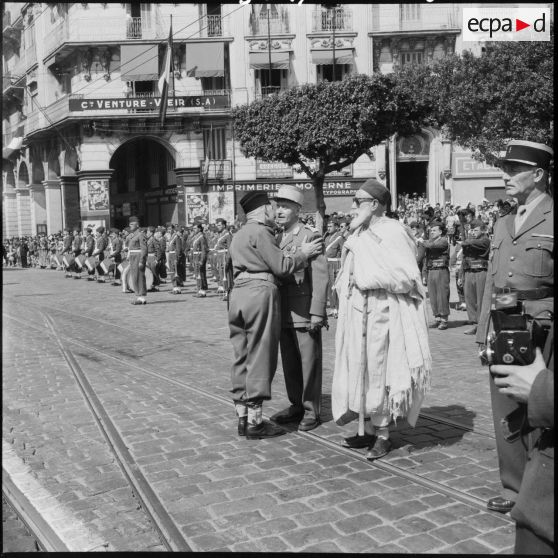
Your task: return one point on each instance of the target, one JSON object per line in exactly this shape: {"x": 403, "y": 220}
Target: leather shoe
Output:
{"x": 380, "y": 448}
{"x": 309, "y": 423}
{"x": 358, "y": 442}
{"x": 471, "y": 331}
{"x": 242, "y": 422}
{"x": 263, "y": 430}
{"x": 500, "y": 504}
{"x": 443, "y": 325}
{"x": 292, "y": 414}
{"x": 434, "y": 325}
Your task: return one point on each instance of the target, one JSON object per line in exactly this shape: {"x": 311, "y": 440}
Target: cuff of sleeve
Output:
{"x": 540, "y": 405}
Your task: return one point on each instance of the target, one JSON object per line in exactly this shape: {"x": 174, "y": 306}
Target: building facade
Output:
{"x": 83, "y": 143}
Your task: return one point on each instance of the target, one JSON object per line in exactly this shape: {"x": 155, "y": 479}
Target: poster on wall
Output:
{"x": 221, "y": 205}
{"x": 94, "y": 195}
{"x": 197, "y": 209}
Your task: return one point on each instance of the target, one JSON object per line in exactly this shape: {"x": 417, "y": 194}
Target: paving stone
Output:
{"x": 454, "y": 533}
{"x": 471, "y": 547}
{"x": 384, "y": 533}
{"x": 357, "y": 523}
{"x": 420, "y": 543}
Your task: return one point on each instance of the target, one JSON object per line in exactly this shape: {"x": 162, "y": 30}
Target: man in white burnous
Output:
{"x": 382, "y": 355}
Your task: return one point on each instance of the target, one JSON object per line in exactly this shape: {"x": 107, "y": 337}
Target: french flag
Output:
{"x": 164, "y": 80}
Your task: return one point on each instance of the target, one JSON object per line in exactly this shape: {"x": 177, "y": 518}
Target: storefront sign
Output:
{"x": 198, "y": 101}
{"x": 331, "y": 188}
{"x": 273, "y": 169}
{"x": 466, "y": 167}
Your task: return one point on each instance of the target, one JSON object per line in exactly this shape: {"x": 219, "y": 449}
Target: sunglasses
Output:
{"x": 357, "y": 201}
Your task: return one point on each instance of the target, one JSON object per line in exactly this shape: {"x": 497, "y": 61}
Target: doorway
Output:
{"x": 412, "y": 177}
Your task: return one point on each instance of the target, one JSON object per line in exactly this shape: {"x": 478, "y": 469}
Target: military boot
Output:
{"x": 242, "y": 414}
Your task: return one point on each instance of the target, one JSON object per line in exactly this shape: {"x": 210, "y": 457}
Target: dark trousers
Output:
{"x": 254, "y": 323}
{"x": 181, "y": 267}
{"x": 527, "y": 542}
{"x": 301, "y": 353}
{"x": 172, "y": 263}
{"x": 473, "y": 289}
{"x": 202, "y": 275}
{"x": 512, "y": 457}
{"x": 439, "y": 291}
{"x": 152, "y": 265}
{"x": 137, "y": 275}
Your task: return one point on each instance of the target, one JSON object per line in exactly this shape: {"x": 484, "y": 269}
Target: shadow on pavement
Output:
{"x": 458, "y": 323}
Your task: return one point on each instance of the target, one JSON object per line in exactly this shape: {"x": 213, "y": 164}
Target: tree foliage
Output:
{"x": 484, "y": 101}
{"x": 325, "y": 127}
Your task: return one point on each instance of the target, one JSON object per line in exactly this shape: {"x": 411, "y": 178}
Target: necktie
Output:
{"x": 520, "y": 217}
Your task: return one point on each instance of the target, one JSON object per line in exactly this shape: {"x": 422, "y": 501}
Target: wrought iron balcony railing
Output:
{"x": 278, "y": 24}
{"x": 217, "y": 169}
{"x": 338, "y": 19}
{"x": 214, "y": 26}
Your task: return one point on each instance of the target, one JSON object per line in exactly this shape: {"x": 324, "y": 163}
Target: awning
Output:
{"x": 260, "y": 60}
{"x": 205, "y": 59}
{"x": 139, "y": 62}
{"x": 325, "y": 56}
{"x": 12, "y": 147}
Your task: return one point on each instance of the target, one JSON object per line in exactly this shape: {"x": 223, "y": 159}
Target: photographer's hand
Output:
{"x": 516, "y": 381}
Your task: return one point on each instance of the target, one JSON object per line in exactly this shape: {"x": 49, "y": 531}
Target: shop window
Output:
{"x": 213, "y": 85}
{"x": 269, "y": 82}
{"x": 325, "y": 72}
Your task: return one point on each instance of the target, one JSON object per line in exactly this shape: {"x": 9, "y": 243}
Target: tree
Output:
{"x": 327, "y": 126}
{"x": 484, "y": 101}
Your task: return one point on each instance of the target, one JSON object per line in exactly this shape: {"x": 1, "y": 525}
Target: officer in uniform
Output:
{"x": 474, "y": 265}
{"x": 521, "y": 264}
{"x": 137, "y": 254}
{"x": 303, "y": 314}
{"x": 333, "y": 241}
{"x": 221, "y": 249}
{"x": 77, "y": 241}
{"x": 101, "y": 244}
{"x": 254, "y": 310}
{"x": 181, "y": 257}
{"x": 152, "y": 256}
{"x": 174, "y": 249}
{"x": 437, "y": 272}
{"x": 66, "y": 251}
{"x": 200, "y": 252}
{"x": 115, "y": 254}
{"x": 88, "y": 252}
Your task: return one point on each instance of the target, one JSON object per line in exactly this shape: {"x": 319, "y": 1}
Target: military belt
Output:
{"x": 334, "y": 259}
{"x": 437, "y": 264}
{"x": 134, "y": 251}
{"x": 262, "y": 275}
{"x": 527, "y": 294}
{"x": 171, "y": 252}
{"x": 475, "y": 265}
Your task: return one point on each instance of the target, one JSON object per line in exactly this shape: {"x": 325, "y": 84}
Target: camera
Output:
{"x": 511, "y": 342}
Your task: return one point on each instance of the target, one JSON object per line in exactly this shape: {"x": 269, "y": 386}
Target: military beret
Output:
{"x": 253, "y": 200}
{"x": 413, "y": 225}
{"x": 101, "y": 230}
{"x": 133, "y": 219}
{"x": 333, "y": 221}
{"x": 437, "y": 224}
{"x": 221, "y": 220}
{"x": 476, "y": 223}
{"x": 377, "y": 190}
{"x": 114, "y": 231}
{"x": 528, "y": 153}
{"x": 88, "y": 229}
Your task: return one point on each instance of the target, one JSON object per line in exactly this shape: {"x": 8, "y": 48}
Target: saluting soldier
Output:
{"x": 303, "y": 313}
{"x": 437, "y": 273}
{"x": 221, "y": 248}
{"x": 115, "y": 254}
{"x": 174, "y": 249}
{"x": 254, "y": 311}
{"x": 137, "y": 254}
{"x": 200, "y": 252}
{"x": 476, "y": 250}
{"x": 333, "y": 241}
{"x": 522, "y": 264}
{"x": 66, "y": 252}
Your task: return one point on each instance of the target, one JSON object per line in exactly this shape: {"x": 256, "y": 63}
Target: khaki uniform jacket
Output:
{"x": 303, "y": 293}
{"x": 521, "y": 260}
{"x": 333, "y": 244}
{"x": 138, "y": 241}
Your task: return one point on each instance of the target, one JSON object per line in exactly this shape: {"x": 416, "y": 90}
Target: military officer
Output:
{"x": 174, "y": 249}
{"x": 115, "y": 254}
{"x": 221, "y": 248}
{"x": 303, "y": 313}
{"x": 137, "y": 254}
{"x": 152, "y": 255}
{"x": 200, "y": 252}
{"x": 67, "y": 251}
{"x": 522, "y": 263}
{"x": 77, "y": 242}
{"x": 333, "y": 241}
{"x": 437, "y": 275}
{"x": 88, "y": 252}
{"x": 101, "y": 244}
{"x": 474, "y": 266}
{"x": 254, "y": 311}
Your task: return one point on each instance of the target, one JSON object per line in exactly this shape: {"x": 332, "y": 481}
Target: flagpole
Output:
{"x": 172, "y": 60}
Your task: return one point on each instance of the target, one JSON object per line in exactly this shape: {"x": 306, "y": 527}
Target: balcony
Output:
{"x": 394, "y": 18}
{"x": 81, "y": 30}
{"x": 338, "y": 19}
{"x": 213, "y": 26}
{"x": 278, "y": 24}
{"x": 268, "y": 91}
{"x": 219, "y": 169}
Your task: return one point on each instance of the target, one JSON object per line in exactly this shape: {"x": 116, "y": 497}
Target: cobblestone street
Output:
{"x": 162, "y": 372}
